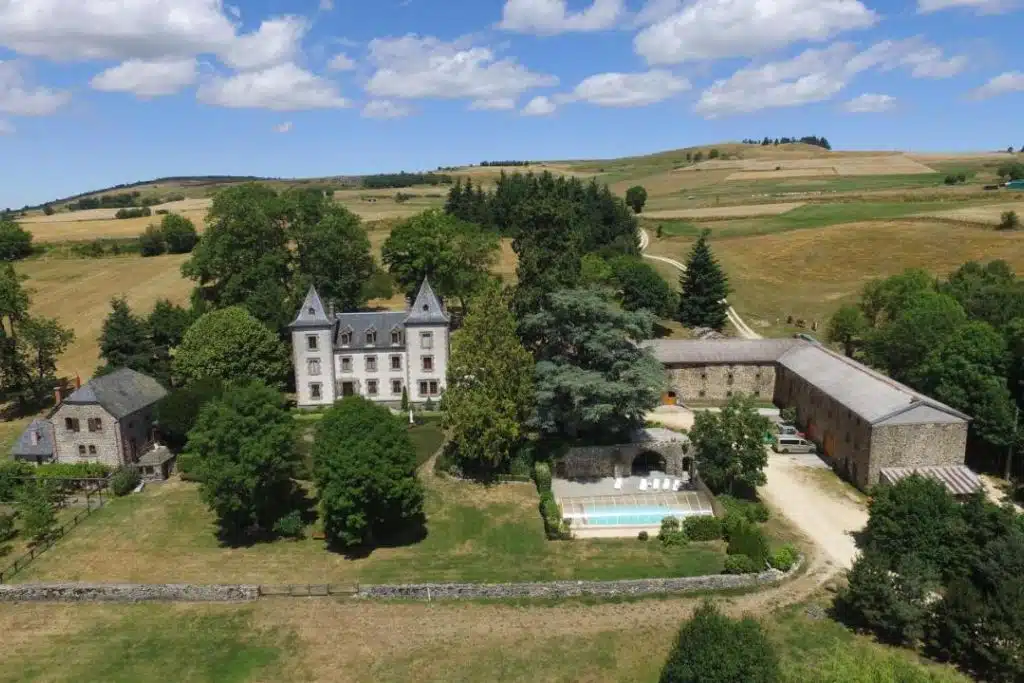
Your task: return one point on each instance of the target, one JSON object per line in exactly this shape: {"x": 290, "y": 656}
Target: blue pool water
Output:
{"x": 628, "y": 515}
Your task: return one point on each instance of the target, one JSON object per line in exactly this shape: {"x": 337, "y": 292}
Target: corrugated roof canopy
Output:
{"x": 959, "y": 480}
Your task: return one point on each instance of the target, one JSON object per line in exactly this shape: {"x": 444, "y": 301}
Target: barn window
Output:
{"x": 702, "y": 393}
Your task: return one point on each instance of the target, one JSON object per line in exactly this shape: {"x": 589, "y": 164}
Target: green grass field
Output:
{"x": 320, "y": 639}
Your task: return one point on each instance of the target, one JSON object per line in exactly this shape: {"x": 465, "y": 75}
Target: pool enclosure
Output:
{"x": 624, "y": 513}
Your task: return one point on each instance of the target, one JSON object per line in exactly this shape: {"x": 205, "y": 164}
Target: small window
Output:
{"x": 757, "y": 393}
{"x": 346, "y": 338}
{"x": 433, "y": 387}
{"x": 703, "y": 374}
{"x": 428, "y": 363}
{"x": 426, "y": 340}
{"x": 313, "y": 366}
{"x": 424, "y": 388}
{"x": 346, "y": 364}
{"x": 312, "y": 342}
{"x": 315, "y": 391}
{"x": 396, "y": 386}
{"x": 728, "y": 394}
{"x": 730, "y": 379}
{"x": 81, "y": 449}
{"x": 396, "y": 362}
{"x": 95, "y": 424}
{"x": 311, "y": 310}
{"x": 396, "y": 337}
{"x": 702, "y": 393}
{"x": 371, "y": 363}
{"x": 92, "y": 450}
{"x": 371, "y": 387}
{"x": 371, "y": 337}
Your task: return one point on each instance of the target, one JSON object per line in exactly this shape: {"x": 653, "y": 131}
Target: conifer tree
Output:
{"x": 125, "y": 340}
{"x": 705, "y": 287}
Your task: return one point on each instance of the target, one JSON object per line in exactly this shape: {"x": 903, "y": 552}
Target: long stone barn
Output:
{"x": 866, "y": 423}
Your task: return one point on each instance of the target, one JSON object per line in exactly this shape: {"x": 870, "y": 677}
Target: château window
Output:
{"x": 396, "y": 362}
{"x": 396, "y": 386}
{"x": 346, "y": 338}
{"x": 314, "y": 391}
{"x": 396, "y": 337}
{"x": 312, "y": 342}
{"x": 428, "y": 363}
{"x": 371, "y": 363}
{"x": 371, "y": 387}
{"x": 426, "y": 340}
{"x": 371, "y": 337}
{"x": 313, "y": 366}
{"x": 346, "y": 364}
{"x": 428, "y": 388}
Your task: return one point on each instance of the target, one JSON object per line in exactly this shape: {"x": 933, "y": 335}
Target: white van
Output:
{"x": 793, "y": 444}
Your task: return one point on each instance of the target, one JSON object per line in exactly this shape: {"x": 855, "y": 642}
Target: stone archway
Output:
{"x": 646, "y": 462}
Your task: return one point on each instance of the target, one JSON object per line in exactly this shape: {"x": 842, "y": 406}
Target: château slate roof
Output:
{"x": 360, "y": 323}
{"x": 312, "y": 313}
{"x": 427, "y": 308}
{"x": 24, "y": 448}
{"x": 120, "y": 393}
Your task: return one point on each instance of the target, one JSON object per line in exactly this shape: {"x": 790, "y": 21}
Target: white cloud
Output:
{"x": 6, "y": 128}
{"x": 1011, "y": 81}
{"x": 414, "y": 67}
{"x": 285, "y": 87}
{"x": 341, "y": 62}
{"x": 385, "y": 109}
{"x": 101, "y": 29}
{"x": 870, "y": 103}
{"x": 714, "y": 29}
{"x": 326, "y": 5}
{"x": 277, "y": 41}
{"x": 496, "y": 104}
{"x": 928, "y": 62}
{"x": 147, "y": 79}
{"x": 540, "y": 105}
{"x": 285, "y": 127}
{"x": 551, "y": 17}
{"x": 981, "y": 6}
{"x": 627, "y": 90}
{"x": 18, "y": 98}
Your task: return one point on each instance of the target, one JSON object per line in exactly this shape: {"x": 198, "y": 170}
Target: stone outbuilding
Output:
{"x": 863, "y": 421}
{"x": 652, "y": 449}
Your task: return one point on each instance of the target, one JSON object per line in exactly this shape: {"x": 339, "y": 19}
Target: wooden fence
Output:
{"x": 60, "y": 532}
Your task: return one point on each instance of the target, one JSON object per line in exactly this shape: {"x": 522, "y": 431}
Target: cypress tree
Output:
{"x": 705, "y": 287}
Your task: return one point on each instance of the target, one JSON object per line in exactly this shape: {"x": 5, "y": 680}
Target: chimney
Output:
{"x": 330, "y": 309}
{"x": 78, "y": 381}
{"x": 57, "y": 397}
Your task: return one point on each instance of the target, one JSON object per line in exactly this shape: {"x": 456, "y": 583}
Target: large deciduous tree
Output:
{"x": 179, "y": 233}
{"x": 365, "y": 469}
{"x": 704, "y": 288}
{"x": 848, "y": 327}
{"x": 454, "y": 254}
{"x": 636, "y": 197}
{"x": 490, "y": 385}
{"x": 44, "y": 340}
{"x": 177, "y": 413}
{"x": 15, "y": 241}
{"x": 231, "y": 345}
{"x": 242, "y": 449}
{"x": 334, "y": 255}
{"x": 922, "y": 323}
{"x": 729, "y": 446}
{"x": 591, "y": 377}
{"x": 713, "y": 648}
{"x": 640, "y": 286}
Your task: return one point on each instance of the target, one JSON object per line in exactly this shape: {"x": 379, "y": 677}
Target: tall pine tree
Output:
{"x": 705, "y": 287}
{"x": 125, "y": 341}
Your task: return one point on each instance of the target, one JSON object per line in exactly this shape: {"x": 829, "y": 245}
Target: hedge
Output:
{"x": 741, "y": 564}
{"x": 703, "y": 528}
{"x": 747, "y": 539}
{"x": 554, "y": 526}
{"x": 753, "y": 511}
{"x": 542, "y": 475}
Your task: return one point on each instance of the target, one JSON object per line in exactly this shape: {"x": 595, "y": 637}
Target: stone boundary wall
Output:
{"x": 88, "y": 592}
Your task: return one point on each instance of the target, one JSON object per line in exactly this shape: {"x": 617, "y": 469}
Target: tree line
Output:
{"x": 958, "y": 339}
{"x": 807, "y": 140}
{"x": 403, "y": 179}
{"x": 485, "y": 164}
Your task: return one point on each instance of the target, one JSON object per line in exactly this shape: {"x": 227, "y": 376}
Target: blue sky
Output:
{"x": 94, "y": 92}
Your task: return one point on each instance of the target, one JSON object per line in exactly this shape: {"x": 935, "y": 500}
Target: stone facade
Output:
{"x": 717, "y": 383}
{"x": 916, "y": 445}
{"x": 88, "y": 433}
{"x": 596, "y": 462}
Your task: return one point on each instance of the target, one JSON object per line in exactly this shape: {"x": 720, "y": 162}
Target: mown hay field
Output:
{"x": 991, "y": 214}
{"x": 77, "y": 291}
{"x": 743, "y": 211}
{"x": 809, "y": 273}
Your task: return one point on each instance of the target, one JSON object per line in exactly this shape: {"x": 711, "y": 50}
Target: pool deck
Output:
{"x": 575, "y": 496}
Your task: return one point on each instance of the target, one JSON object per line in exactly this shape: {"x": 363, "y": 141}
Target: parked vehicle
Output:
{"x": 794, "y": 444}
{"x": 790, "y": 430}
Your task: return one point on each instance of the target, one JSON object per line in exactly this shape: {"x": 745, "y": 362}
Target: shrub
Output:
{"x": 784, "y": 558}
{"x": 10, "y": 471}
{"x": 290, "y": 526}
{"x": 542, "y": 477}
{"x": 15, "y": 241}
{"x": 7, "y": 530}
{"x": 151, "y": 242}
{"x": 712, "y": 648}
{"x": 788, "y": 415}
{"x": 521, "y": 462}
{"x": 753, "y": 511}
{"x": 671, "y": 533}
{"x": 179, "y": 233}
{"x": 124, "y": 480}
{"x": 405, "y": 400}
{"x": 1009, "y": 221}
{"x": 161, "y": 212}
{"x": 554, "y": 526}
{"x": 702, "y": 528}
{"x": 642, "y": 536}
{"x": 134, "y": 213}
{"x": 747, "y": 539}
{"x": 35, "y": 507}
{"x": 741, "y": 564}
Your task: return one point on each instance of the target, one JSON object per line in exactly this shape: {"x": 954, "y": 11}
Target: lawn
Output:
{"x": 316, "y": 640}
{"x": 809, "y": 273}
{"x": 474, "y": 533}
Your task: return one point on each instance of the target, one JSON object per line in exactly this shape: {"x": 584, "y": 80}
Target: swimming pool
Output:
{"x": 629, "y": 515}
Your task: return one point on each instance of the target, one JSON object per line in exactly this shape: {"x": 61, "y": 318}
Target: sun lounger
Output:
{"x": 677, "y": 485}
{"x": 666, "y": 483}
{"x": 643, "y": 484}
{"x": 618, "y": 483}
{"x": 656, "y": 484}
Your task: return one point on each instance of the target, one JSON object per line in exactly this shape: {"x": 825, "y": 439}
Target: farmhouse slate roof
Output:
{"x": 312, "y": 313}
{"x": 878, "y": 399}
{"x": 120, "y": 393}
{"x": 24, "y": 448}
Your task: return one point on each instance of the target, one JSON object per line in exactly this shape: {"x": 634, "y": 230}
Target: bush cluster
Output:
{"x": 1009, "y": 221}
{"x": 555, "y": 527}
{"x": 746, "y": 539}
{"x": 542, "y": 477}
{"x": 140, "y": 212}
{"x": 956, "y": 179}
{"x": 784, "y": 558}
{"x": 741, "y": 564}
{"x": 124, "y": 480}
{"x": 671, "y": 533}
{"x": 754, "y": 512}
{"x": 175, "y": 234}
{"x": 703, "y": 528}
{"x": 290, "y": 526}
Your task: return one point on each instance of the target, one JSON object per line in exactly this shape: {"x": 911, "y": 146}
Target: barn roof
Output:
{"x": 959, "y": 480}
{"x": 723, "y": 351}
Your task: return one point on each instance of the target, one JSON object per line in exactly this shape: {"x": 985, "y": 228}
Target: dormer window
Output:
{"x": 396, "y": 337}
{"x": 371, "y": 337}
{"x": 346, "y": 338}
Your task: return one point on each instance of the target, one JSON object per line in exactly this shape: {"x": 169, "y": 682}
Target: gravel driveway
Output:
{"x": 817, "y": 502}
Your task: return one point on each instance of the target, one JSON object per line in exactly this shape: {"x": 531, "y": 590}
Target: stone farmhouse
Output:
{"x": 377, "y": 354}
{"x": 108, "y": 420}
{"x": 869, "y": 426}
